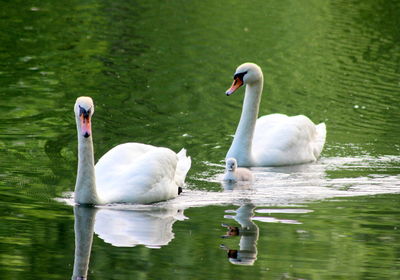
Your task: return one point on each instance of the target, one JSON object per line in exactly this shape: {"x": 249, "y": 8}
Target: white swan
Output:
{"x": 128, "y": 173}
{"x": 234, "y": 173}
{"x": 275, "y": 139}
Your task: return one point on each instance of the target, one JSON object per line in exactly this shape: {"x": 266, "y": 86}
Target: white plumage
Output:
{"x": 128, "y": 173}
{"x": 271, "y": 140}
{"x": 233, "y": 173}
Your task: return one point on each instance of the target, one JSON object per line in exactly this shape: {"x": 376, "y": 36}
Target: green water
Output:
{"x": 157, "y": 71}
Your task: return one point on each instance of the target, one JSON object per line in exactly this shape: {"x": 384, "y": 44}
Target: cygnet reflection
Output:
{"x": 248, "y": 232}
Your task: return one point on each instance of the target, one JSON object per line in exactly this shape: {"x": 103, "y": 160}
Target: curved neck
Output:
{"x": 85, "y": 187}
{"x": 242, "y": 142}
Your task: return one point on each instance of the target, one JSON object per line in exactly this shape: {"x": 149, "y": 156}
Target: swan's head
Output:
{"x": 84, "y": 109}
{"x": 247, "y": 73}
{"x": 231, "y": 164}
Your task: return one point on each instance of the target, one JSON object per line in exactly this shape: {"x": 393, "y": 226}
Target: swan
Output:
{"x": 128, "y": 173}
{"x": 271, "y": 140}
{"x": 234, "y": 173}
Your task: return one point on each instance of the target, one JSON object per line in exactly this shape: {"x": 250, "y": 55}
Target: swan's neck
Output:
{"x": 85, "y": 188}
{"x": 242, "y": 142}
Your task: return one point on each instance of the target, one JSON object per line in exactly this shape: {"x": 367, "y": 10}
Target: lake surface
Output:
{"x": 157, "y": 71}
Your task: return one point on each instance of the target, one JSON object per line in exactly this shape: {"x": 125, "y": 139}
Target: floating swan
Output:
{"x": 275, "y": 139}
{"x": 234, "y": 173}
{"x": 128, "y": 173}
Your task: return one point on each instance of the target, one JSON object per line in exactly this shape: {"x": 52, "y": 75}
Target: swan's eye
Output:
{"x": 82, "y": 111}
{"x": 239, "y": 76}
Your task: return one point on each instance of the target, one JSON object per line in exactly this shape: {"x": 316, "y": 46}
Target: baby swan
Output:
{"x": 233, "y": 173}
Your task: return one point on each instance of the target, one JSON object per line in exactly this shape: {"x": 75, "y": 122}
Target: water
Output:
{"x": 157, "y": 72}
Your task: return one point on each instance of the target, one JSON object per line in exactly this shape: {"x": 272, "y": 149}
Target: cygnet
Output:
{"x": 234, "y": 173}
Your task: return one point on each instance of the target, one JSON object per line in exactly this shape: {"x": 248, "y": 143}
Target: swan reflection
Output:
{"x": 83, "y": 226}
{"x": 248, "y": 232}
{"x": 149, "y": 226}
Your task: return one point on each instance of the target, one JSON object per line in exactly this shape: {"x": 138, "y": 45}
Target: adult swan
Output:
{"x": 275, "y": 139}
{"x": 128, "y": 173}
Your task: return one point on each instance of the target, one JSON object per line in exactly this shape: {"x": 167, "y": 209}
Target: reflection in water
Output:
{"x": 248, "y": 232}
{"x": 84, "y": 221}
{"x": 232, "y": 185}
{"x": 151, "y": 227}
{"x": 336, "y": 61}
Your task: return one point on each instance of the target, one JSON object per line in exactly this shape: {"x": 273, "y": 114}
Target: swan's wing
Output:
{"x": 136, "y": 173}
{"x": 182, "y": 168}
{"x": 278, "y": 131}
{"x": 282, "y": 140}
{"x": 320, "y": 139}
{"x": 120, "y": 156}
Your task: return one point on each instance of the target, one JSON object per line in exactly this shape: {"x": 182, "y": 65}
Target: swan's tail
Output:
{"x": 182, "y": 168}
{"x": 320, "y": 139}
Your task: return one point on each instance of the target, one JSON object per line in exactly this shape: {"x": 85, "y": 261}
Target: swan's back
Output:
{"x": 282, "y": 140}
{"x": 136, "y": 173}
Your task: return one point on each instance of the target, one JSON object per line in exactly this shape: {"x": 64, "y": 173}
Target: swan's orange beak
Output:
{"x": 86, "y": 128}
{"x": 237, "y": 83}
